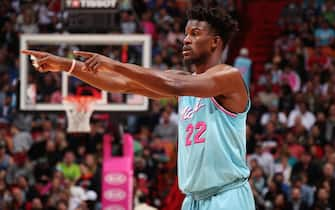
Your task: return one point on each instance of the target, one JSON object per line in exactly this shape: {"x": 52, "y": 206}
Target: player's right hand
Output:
{"x": 45, "y": 62}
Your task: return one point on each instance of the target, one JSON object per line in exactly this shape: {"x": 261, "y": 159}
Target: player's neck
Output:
{"x": 203, "y": 67}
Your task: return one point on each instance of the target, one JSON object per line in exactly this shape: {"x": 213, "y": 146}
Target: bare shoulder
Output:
{"x": 180, "y": 72}
{"x": 224, "y": 68}
{"x": 235, "y": 98}
{"x": 228, "y": 78}
{"x": 224, "y": 71}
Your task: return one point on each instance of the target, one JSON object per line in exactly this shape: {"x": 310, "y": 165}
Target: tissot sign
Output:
{"x": 90, "y": 4}
{"x": 91, "y": 16}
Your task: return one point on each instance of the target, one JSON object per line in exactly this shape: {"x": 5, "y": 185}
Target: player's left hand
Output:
{"x": 94, "y": 61}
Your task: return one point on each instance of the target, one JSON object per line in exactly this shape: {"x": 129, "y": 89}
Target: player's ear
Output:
{"x": 216, "y": 42}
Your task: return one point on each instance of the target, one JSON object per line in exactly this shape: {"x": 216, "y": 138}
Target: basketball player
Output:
{"x": 213, "y": 106}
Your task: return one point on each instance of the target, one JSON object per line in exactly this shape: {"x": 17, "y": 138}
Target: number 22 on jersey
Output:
{"x": 198, "y": 129}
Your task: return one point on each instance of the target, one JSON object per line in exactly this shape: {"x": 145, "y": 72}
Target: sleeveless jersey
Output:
{"x": 211, "y": 145}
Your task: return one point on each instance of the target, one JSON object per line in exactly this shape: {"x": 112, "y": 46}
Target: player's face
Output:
{"x": 197, "y": 42}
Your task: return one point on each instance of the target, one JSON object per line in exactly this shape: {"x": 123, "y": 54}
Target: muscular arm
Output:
{"x": 222, "y": 82}
{"x": 117, "y": 83}
{"x": 105, "y": 80}
{"x": 219, "y": 80}
{"x": 113, "y": 82}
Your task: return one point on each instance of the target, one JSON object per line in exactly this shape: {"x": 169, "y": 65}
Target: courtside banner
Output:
{"x": 117, "y": 183}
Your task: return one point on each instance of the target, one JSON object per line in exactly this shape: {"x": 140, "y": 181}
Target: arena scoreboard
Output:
{"x": 91, "y": 16}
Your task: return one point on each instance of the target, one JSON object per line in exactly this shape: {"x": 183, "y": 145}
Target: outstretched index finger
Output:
{"x": 37, "y": 54}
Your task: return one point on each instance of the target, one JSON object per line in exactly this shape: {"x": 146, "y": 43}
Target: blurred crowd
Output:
{"x": 42, "y": 166}
{"x": 291, "y": 136}
{"x": 290, "y": 127}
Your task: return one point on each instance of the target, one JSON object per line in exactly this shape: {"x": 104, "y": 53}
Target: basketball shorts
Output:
{"x": 240, "y": 198}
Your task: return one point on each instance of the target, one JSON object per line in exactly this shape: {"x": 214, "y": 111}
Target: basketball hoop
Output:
{"x": 78, "y": 111}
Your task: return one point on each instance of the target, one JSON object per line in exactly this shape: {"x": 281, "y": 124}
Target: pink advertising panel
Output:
{"x": 117, "y": 182}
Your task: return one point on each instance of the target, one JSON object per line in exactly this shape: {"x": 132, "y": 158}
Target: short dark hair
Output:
{"x": 219, "y": 20}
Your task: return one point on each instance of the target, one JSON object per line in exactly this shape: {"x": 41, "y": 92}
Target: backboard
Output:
{"x": 44, "y": 92}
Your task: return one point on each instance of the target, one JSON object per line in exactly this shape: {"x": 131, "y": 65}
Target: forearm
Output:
{"x": 103, "y": 80}
{"x": 155, "y": 80}
{"x": 111, "y": 82}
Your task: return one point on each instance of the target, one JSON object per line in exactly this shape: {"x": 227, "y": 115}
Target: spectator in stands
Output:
{"x": 5, "y": 159}
{"x": 263, "y": 158}
{"x": 291, "y": 14}
{"x": 258, "y": 195}
{"x": 26, "y": 22}
{"x": 158, "y": 152}
{"x": 6, "y": 109}
{"x": 175, "y": 36}
{"x": 310, "y": 168}
{"x": 16, "y": 199}
{"x": 3, "y": 191}
{"x": 158, "y": 62}
{"x": 317, "y": 61}
{"x": 278, "y": 178}
{"x": 148, "y": 25}
{"x": 283, "y": 166}
{"x": 271, "y": 137}
{"x": 301, "y": 113}
{"x": 272, "y": 73}
{"x": 62, "y": 205}
{"x": 290, "y": 77}
{"x": 268, "y": 97}
{"x": 274, "y": 116}
{"x": 324, "y": 35}
{"x": 21, "y": 167}
{"x": 258, "y": 179}
{"x": 9, "y": 39}
{"x": 307, "y": 191}
{"x": 166, "y": 130}
{"x": 243, "y": 63}
{"x": 21, "y": 140}
{"x": 296, "y": 201}
{"x": 270, "y": 193}
{"x": 328, "y": 12}
{"x": 46, "y": 18}
{"x": 330, "y": 125}
{"x": 328, "y": 87}
{"x": 69, "y": 168}
{"x": 36, "y": 204}
{"x": 328, "y": 181}
{"x": 171, "y": 112}
{"x": 281, "y": 202}
{"x": 322, "y": 200}
{"x": 128, "y": 24}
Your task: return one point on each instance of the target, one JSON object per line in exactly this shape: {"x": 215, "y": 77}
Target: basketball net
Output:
{"x": 78, "y": 112}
